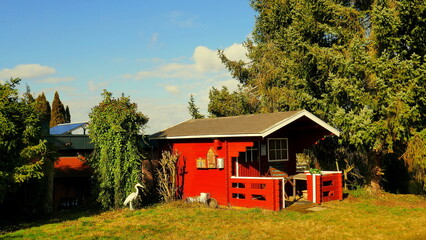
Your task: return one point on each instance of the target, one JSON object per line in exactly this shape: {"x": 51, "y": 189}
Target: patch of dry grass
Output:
{"x": 381, "y": 217}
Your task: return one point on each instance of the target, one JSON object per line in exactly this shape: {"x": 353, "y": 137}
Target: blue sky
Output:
{"x": 156, "y": 52}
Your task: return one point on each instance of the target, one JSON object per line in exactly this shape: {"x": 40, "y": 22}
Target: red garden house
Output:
{"x": 246, "y": 160}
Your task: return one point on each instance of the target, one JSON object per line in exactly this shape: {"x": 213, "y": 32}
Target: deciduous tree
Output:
{"x": 224, "y": 103}
{"x": 115, "y": 128}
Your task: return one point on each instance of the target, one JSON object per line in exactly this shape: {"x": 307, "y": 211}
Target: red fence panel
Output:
{"x": 256, "y": 192}
{"x": 324, "y": 187}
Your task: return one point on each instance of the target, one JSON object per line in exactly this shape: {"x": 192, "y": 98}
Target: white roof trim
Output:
{"x": 267, "y": 131}
{"x": 293, "y": 118}
{"x": 212, "y": 136}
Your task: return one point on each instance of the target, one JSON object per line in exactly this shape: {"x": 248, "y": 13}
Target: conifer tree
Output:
{"x": 359, "y": 65}
{"x": 67, "y": 115}
{"x": 193, "y": 109}
{"x": 28, "y": 96}
{"x": 42, "y": 107}
{"x": 22, "y": 152}
{"x": 58, "y": 111}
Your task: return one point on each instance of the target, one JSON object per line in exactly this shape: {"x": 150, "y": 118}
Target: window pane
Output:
{"x": 242, "y": 157}
{"x": 284, "y": 154}
{"x": 255, "y": 155}
{"x": 279, "y": 154}
{"x": 272, "y": 155}
{"x": 271, "y": 144}
{"x": 284, "y": 146}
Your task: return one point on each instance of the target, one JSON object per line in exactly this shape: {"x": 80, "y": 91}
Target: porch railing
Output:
{"x": 324, "y": 187}
{"x": 261, "y": 192}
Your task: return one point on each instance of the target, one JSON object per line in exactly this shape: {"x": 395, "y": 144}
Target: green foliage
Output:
{"x": 115, "y": 128}
{"x": 58, "y": 111}
{"x": 193, "y": 109}
{"x": 223, "y": 103}
{"x": 67, "y": 115}
{"x": 28, "y": 96}
{"x": 359, "y": 65}
{"x": 21, "y": 150}
{"x": 314, "y": 171}
{"x": 42, "y": 107}
{"x": 415, "y": 157}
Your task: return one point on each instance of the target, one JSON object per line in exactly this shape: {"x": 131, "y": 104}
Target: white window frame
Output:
{"x": 269, "y": 150}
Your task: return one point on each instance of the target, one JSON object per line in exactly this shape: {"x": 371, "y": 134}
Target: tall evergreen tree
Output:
{"x": 42, "y": 107}
{"x": 28, "y": 96}
{"x": 67, "y": 115}
{"x": 21, "y": 149}
{"x": 357, "y": 64}
{"x": 193, "y": 109}
{"x": 58, "y": 111}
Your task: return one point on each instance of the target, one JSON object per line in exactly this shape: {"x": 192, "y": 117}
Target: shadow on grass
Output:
{"x": 17, "y": 222}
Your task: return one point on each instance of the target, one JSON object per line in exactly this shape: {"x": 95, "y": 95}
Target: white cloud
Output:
{"x": 26, "y": 71}
{"x": 236, "y": 52}
{"x": 173, "y": 89}
{"x": 181, "y": 77}
{"x": 57, "y": 80}
{"x": 204, "y": 61}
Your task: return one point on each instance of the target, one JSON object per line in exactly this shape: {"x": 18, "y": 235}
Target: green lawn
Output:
{"x": 385, "y": 217}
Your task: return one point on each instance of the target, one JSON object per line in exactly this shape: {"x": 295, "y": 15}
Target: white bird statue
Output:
{"x": 132, "y": 196}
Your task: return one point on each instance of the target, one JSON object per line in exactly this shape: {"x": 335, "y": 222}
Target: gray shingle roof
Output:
{"x": 238, "y": 126}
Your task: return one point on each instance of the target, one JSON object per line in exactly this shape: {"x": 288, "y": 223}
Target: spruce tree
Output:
{"x": 359, "y": 65}
{"x": 193, "y": 109}
{"x": 58, "y": 111}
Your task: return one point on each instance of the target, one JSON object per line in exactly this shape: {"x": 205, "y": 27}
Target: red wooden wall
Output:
{"x": 193, "y": 180}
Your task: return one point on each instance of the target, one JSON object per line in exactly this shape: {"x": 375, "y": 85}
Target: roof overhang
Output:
{"x": 265, "y": 132}
{"x": 293, "y": 118}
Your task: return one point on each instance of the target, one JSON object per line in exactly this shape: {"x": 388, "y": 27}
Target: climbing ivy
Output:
{"x": 115, "y": 128}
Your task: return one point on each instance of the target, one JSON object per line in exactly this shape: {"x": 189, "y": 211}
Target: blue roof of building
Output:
{"x": 66, "y": 128}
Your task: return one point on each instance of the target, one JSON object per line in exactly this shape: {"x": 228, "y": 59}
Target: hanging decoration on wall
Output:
{"x": 211, "y": 158}
{"x": 201, "y": 163}
{"x": 210, "y": 161}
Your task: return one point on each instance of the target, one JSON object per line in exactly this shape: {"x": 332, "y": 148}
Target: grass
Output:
{"x": 366, "y": 217}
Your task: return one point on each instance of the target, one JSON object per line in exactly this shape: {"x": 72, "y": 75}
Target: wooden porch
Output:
{"x": 270, "y": 192}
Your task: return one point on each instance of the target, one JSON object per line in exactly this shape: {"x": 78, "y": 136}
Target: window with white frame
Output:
{"x": 250, "y": 155}
{"x": 277, "y": 149}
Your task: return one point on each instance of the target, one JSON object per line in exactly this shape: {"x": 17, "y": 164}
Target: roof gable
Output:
{"x": 257, "y": 125}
